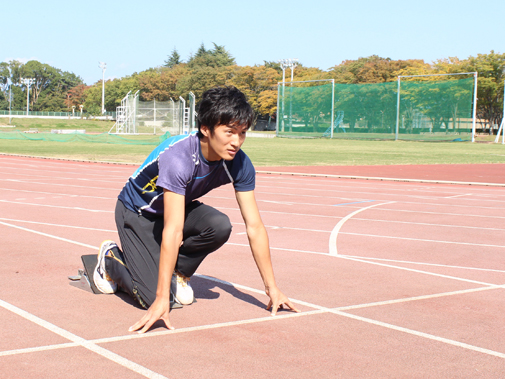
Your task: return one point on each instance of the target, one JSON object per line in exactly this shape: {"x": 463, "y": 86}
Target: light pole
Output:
{"x": 27, "y": 82}
{"x": 285, "y": 63}
{"x": 10, "y": 101}
{"x": 103, "y": 66}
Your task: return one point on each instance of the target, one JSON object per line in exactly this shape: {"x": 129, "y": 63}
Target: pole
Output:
{"x": 28, "y": 82}
{"x": 474, "y": 105}
{"x": 103, "y": 66}
{"x": 10, "y": 103}
{"x": 293, "y": 65}
{"x": 332, "y": 125}
{"x": 277, "y": 116}
{"x": 500, "y": 129}
{"x": 397, "y": 110}
{"x": 27, "y": 98}
{"x": 283, "y": 84}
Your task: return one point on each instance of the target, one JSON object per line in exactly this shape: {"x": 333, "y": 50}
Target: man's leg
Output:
{"x": 205, "y": 230}
{"x": 140, "y": 242}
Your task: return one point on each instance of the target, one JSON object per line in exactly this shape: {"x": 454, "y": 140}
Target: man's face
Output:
{"x": 225, "y": 142}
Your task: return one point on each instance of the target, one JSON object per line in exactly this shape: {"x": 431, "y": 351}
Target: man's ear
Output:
{"x": 204, "y": 130}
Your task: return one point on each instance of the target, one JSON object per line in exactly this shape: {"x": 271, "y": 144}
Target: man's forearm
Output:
{"x": 258, "y": 240}
{"x": 168, "y": 258}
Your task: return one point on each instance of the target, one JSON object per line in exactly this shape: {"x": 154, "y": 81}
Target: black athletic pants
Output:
{"x": 205, "y": 230}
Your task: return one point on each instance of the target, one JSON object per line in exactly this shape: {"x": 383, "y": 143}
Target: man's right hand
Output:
{"x": 159, "y": 310}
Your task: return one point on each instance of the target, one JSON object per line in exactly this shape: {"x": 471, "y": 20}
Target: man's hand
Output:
{"x": 277, "y": 300}
{"x": 159, "y": 310}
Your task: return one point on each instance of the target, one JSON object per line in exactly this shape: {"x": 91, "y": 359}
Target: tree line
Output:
{"x": 57, "y": 90}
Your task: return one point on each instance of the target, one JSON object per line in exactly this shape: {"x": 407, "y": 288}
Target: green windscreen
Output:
{"x": 304, "y": 111}
{"x": 436, "y": 108}
{"x": 92, "y": 138}
{"x": 429, "y": 110}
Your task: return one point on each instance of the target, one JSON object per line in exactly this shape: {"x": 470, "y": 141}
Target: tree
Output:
{"x": 162, "y": 84}
{"x": 173, "y": 59}
{"x": 115, "y": 91}
{"x": 372, "y": 69}
{"x": 217, "y": 57}
{"x": 49, "y": 90}
{"x": 253, "y": 81}
{"x": 491, "y": 74}
{"x": 76, "y": 96}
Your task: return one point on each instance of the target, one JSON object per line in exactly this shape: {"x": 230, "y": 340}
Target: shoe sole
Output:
{"x": 96, "y": 276}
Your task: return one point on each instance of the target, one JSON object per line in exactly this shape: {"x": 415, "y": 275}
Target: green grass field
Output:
{"x": 262, "y": 151}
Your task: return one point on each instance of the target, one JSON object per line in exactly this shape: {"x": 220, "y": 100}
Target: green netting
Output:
{"x": 304, "y": 110}
{"x": 429, "y": 110}
{"x": 92, "y": 138}
{"x": 432, "y": 108}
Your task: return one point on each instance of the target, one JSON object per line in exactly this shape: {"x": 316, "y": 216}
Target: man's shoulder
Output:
{"x": 240, "y": 161}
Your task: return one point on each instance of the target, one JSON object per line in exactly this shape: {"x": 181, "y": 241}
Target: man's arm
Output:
{"x": 258, "y": 240}
{"x": 170, "y": 243}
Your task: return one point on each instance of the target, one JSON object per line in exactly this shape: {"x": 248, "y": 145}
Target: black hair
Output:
{"x": 223, "y": 106}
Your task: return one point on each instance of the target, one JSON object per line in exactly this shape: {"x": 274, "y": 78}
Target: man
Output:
{"x": 165, "y": 232}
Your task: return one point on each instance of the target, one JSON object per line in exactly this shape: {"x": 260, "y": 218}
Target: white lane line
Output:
{"x": 75, "y": 176}
{"x": 378, "y": 209}
{"x": 454, "y": 196}
{"x": 58, "y": 225}
{"x": 337, "y": 311}
{"x": 383, "y": 179}
{"x": 426, "y": 264}
{"x": 334, "y": 233}
{"x": 416, "y": 298}
{"x": 426, "y": 224}
{"x": 49, "y": 235}
{"x": 334, "y": 195}
{"x": 57, "y": 206}
{"x": 82, "y": 342}
{"x": 420, "y": 239}
{"x": 38, "y": 349}
{"x": 364, "y": 260}
{"x": 58, "y": 194}
{"x": 142, "y": 370}
{"x": 420, "y": 334}
{"x": 357, "y": 259}
{"x": 414, "y": 270}
{"x": 63, "y": 185}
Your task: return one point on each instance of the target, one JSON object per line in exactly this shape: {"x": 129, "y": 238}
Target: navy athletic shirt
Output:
{"x": 178, "y": 165}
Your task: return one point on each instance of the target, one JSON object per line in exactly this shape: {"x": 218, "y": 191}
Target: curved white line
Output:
{"x": 336, "y": 229}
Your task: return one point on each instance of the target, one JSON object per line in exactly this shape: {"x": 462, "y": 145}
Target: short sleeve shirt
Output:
{"x": 178, "y": 165}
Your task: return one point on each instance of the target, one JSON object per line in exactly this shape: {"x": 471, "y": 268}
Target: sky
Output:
{"x": 133, "y": 36}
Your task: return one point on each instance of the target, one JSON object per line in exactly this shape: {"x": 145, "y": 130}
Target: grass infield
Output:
{"x": 262, "y": 151}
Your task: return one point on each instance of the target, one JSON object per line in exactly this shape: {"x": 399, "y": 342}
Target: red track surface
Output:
{"x": 394, "y": 279}
{"x": 477, "y": 173}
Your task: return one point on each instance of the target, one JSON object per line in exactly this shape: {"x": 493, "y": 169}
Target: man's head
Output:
{"x": 224, "y": 106}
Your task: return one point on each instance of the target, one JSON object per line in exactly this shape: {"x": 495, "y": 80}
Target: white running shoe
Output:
{"x": 181, "y": 289}
{"x": 102, "y": 280}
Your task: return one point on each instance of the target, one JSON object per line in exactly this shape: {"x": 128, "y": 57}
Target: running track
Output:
{"x": 394, "y": 280}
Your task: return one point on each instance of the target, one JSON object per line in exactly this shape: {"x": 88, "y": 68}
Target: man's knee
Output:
{"x": 221, "y": 226}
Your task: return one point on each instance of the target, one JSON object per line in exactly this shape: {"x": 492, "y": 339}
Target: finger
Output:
{"x": 148, "y": 325}
{"x": 275, "y": 306}
{"x": 291, "y": 306}
{"x": 269, "y": 305}
{"x": 139, "y": 324}
{"x": 167, "y": 323}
